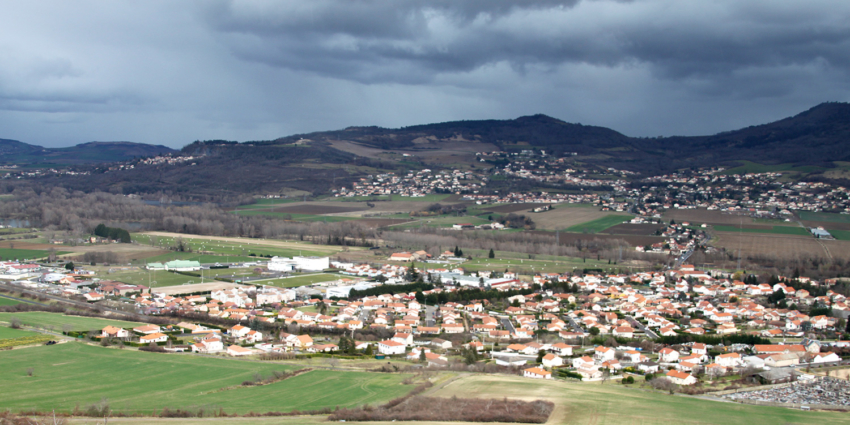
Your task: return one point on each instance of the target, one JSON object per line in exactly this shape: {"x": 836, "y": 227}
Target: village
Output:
{"x": 682, "y": 326}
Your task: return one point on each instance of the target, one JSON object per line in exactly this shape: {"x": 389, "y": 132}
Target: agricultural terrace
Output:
{"x": 138, "y": 382}
{"x": 237, "y": 247}
{"x": 592, "y": 403}
{"x": 56, "y": 321}
{"x": 600, "y": 224}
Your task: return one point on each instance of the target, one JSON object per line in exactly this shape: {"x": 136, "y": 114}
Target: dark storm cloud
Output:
{"x": 171, "y": 72}
{"x": 414, "y": 42}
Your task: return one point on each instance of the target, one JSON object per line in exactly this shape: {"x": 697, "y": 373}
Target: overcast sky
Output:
{"x": 170, "y": 72}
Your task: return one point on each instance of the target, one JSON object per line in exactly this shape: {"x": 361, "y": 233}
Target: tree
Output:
{"x": 420, "y": 297}
{"x": 492, "y": 254}
{"x": 69, "y": 266}
{"x": 540, "y": 355}
{"x": 422, "y": 357}
{"x": 594, "y": 331}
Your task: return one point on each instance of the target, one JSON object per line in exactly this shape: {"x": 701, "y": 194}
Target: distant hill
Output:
{"x": 15, "y": 152}
{"x": 815, "y": 137}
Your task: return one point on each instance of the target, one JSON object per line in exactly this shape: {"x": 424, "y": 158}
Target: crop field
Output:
{"x": 512, "y": 208}
{"x": 592, "y": 403}
{"x": 842, "y": 235}
{"x": 599, "y": 224}
{"x": 431, "y": 197}
{"x": 775, "y": 230}
{"x": 699, "y": 216}
{"x": 292, "y": 282}
{"x": 441, "y": 221}
{"x": 540, "y": 264}
{"x": 138, "y": 382}
{"x": 563, "y": 216}
{"x": 780, "y": 246}
{"x": 240, "y": 247}
{"x": 56, "y": 321}
{"x": 201, "y": 258}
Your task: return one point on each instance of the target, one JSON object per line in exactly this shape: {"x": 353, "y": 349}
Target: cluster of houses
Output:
{"x": 416, "y": 184}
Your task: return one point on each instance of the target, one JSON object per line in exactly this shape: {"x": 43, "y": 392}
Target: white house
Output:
{"x": 668, "y": 355}
{"x": 390, "y": 347}
{"x": 729, "y": 360}
{"x": 550, "y": 360}
{"x": 681, "y": 378}
{"x": 154, "y": 337}
{"x": 114, "y": 332}
{"x": 536, "y": 373}
{"x": 604, "y": 353}
{"x": 235, "y": 351}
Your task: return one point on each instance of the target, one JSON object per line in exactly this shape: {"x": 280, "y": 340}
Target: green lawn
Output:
{"x": 776, "y": 230}
{"x": 24, "y": 254}
{"x": 202, "y": 258}
{"x": 154, "y": 279}
{"x": 139, "y": 382}
{"x": 600, "y": 224}
{"x": 433, "y": 197}
{"x": 842, "y": 235}
{"x": 9, "y": 333}
{"x": 823, "y": 216}
{"x": 292, "y": 282}
{"x": 56, "y": 321}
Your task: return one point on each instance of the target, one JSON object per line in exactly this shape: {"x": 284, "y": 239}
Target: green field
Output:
{"x": 56, "y": 321}
{"x": 292, "y": 282}
{"x": 297, "y": 217}
{"x": 154, "y": 279}
{"x": 613, "y": 404}
{"x": 24, "y": 254}
{"x": 8, "y": 301}
{"x": 842, "y": 235}
{"x": 600, "y": 224}
{"x": 822, "y": 216}
{"x": 515, "y": 261}
{"x": 776, "y": 230}
{"x": 8, "y": 333}
{"x": 139, "y": 382}
{"x": 441, "y": 221}
{"x": 201, "y": 258}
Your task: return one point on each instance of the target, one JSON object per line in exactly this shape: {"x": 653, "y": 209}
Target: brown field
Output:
{"x": 633, "y": 240}
{"x": 782, "y": 246}
{"x": 512, "y": 208}
{"x": 562, "y": 217}
{"x": 700, "y": 216}
{"x": 382, "y": 222}
{"x": 359, "y": 209}
{"x": 633, "y": 229}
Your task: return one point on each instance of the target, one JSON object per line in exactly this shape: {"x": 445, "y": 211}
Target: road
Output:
{"x": 639, "y": 325}
{"x": 506, "y": 323}
{"x": 132, "y": 316}
{"x": 576, "y": 327}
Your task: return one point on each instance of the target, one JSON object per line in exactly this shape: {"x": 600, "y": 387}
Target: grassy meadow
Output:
{"x": 774, "y": 230}
{"x": 138, "y": 382}
{"x": 599, "y": 224}
{"x": 56, "y": 321}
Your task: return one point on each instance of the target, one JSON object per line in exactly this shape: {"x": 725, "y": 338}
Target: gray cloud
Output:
{"x": 169, "y": 73}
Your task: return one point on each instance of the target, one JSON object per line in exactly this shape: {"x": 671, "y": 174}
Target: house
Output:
{"x": 154, "y": 337}
{"x": 680, "y": 378}
{"x": 729, "y": 360}
{"x": 583, "y": 361}
{"x": 236, "y": 351}
{"x": 781, "y": 360}
{"x": 648, "y": 367}
{"x": 668, "y": 355}
{"x": 303, "y": 341}
{"x": 563, "y": 349}
{"x": 208, "y": 345}
{"x": 624, "y": 331}
{"x": 604, "y": 353}
{"x": 441, "y": 343}
{"x": 826, "y": 357}
{"x": 536, "y": 373}
{"x": 632, "y": 356}
{"x": 147, "y": 329}
{"x": 404, "y": 338}
{"x": 113, "y": 332}
{"x": 391, "y": 347}
{"x": 550, "y": 360}
{"x": 239, "y": 331}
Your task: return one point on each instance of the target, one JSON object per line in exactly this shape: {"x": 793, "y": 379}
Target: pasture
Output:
{"x": 23, "y": 254}
{"x": 594, "y": 403}
{"x": 599, "y": 224}
{"x": 780, "y": 246}
{"x": 56, "y": 321}
{"x": 138, "y": 382}
{"x": 9, "y": 333}
{"x": 8, "y": 301}
{"x": 153, "y": 278}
